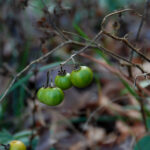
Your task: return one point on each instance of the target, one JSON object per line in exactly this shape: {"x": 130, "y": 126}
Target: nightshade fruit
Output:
{"x": 51, "y": 96}
{"x": 81, "y": 77}
{"x": 63, "y": 81}
{"x": 40, "y": 94}
{"x": 17, "y": 145}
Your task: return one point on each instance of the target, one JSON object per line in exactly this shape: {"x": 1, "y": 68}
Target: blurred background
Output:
{"x": 103, "y": 116}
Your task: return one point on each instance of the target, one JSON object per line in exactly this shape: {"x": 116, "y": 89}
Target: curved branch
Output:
{"x": 122, "y": 39}
{"x": 28, "y": 67}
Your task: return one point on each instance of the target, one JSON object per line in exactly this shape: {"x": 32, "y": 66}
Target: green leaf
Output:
{"x": 133, "y": 92}
{"x": 21, "y": 98}
{"x": 24, "y": 56}
{"x": 99, "y": 52}
{"x": 148, "y": 122}
{"x": 35, "y": 142}
{"x": 80, "y": 31}
{"x": 5, "y": 136}
{"x": 52, "y": 148}
{"x": 22, "y": 134}
{"x": 27, "y": 77}
{"x": 143, "y": 144}
{"x": 129, "y": 88}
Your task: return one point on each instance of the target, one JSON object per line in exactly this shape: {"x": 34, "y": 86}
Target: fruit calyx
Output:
{"x": 77, "y": 67}
{"x": 62, "y": 72}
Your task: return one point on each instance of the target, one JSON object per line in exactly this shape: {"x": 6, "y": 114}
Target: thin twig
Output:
{"x": 100, "y": 47}
{"x": 141, "y": 25}
{"x": 126, "y": 42}
{"x": 120, "y": 75}
{"x": 91, "y": 44}
{"x": 119, "y": 57}
{"x": 118, "y": 12}
{"x": 28, "y": 67}
{"x": 84, "y": 48}
{"x": 122, "y": 39}
{"x": 116, "y": 72}
{"x": 131, "y": 57}
{"x": 47, "y": 82}
{"x": 108, "y": 52}
{"x": 13, "y": 75}
{"x": 141, "y": 100}
{"x": 52, "y": 22}
{"x": 77, "y": 35}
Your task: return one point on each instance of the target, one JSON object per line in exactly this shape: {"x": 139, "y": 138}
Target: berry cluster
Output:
{"x": 52, "y": 96}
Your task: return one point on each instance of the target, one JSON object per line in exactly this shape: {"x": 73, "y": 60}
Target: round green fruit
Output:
{"x": 53, "y": 96}
{"x": 63, "y": 81}
{"x": 41, "y": 94}
{"x": 82, "y": 77}
{"x": 17, "y": 145}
